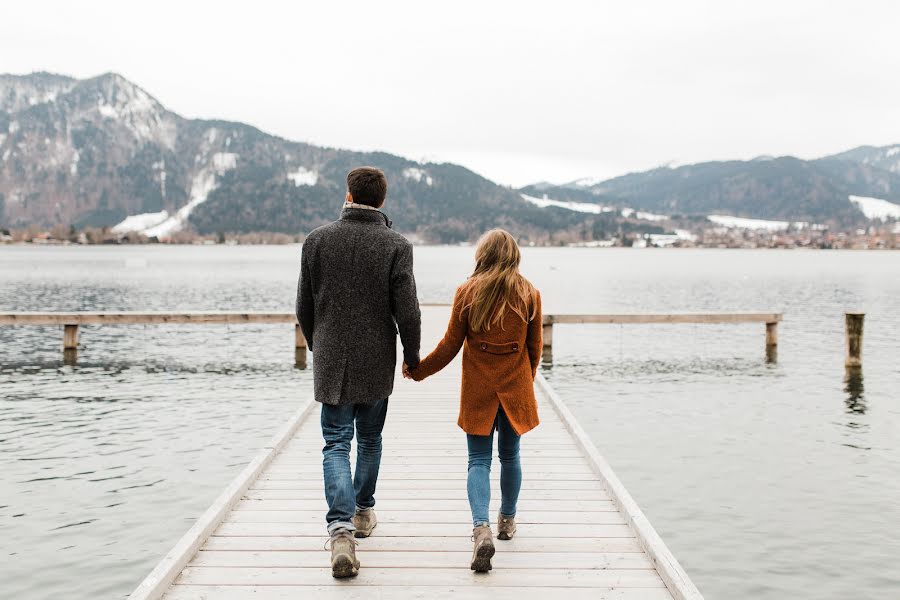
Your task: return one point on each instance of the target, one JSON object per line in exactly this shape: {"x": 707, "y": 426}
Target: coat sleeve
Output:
{"x": 534, "y": 337}
{"x": 449, "y": 346}
{"x": 405, "y": 305}
{"x": 305, "y": 306}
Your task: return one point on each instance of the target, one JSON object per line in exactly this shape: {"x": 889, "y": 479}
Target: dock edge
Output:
{"x": 163, "y": 575}
{"x": 673, "y": 575}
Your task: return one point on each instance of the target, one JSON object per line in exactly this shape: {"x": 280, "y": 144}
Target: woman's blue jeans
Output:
{"x": 479, "y": 480}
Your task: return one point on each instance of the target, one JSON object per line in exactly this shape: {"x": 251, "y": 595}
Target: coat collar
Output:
{"x": 362, "y": 214}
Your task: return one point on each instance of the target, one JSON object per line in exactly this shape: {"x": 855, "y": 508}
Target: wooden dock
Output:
{"x": 580, "y": 532}
{"x": 72, "y": 321}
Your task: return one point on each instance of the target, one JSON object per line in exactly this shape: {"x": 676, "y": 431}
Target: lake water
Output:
{"x": 767, "y": 481}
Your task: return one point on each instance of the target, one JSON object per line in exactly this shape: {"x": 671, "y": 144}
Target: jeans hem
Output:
{"x": 336, "y": 525}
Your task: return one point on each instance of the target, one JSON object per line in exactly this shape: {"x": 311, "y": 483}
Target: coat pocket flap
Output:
{"x": 505, "y": 348}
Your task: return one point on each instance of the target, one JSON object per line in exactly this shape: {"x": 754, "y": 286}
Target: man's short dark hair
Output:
{"x": 367, "y": 185}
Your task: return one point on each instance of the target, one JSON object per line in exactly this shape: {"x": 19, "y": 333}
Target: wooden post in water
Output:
{"x": 547, "y": 337}
{"x": 772, "y": 341}
{"x": 70, "y": 337}
{"x": 299, "y": 348}
{"x": 70, "y": 344}
{"x": 854, "y": 329}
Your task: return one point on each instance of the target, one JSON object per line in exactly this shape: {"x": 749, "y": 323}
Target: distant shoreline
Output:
{"x": 588, "y": 246}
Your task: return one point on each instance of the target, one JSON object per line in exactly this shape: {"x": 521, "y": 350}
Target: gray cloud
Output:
{"x": 518, "y": 91}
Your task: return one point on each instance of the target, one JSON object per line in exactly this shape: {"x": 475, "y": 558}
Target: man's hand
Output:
{"x": 406, "y": 374}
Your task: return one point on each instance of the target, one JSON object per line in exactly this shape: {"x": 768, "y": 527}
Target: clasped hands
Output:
{"x": 406, "y": 374}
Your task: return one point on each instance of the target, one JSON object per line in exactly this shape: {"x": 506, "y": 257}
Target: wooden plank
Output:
{"x": 550, "y": 477}
{"x": 671, "y": 572}
{"x": 458, "y": 559}
{"x": 420, "y": 517}
{"x": 402, "y": 459}
{"x": 698, "y": 318}
{"x": 175, "y": 560}
{"x": 459, "y": 503}
{"x": 390, "y": 469}
{"x": 296, "y": 483}
{"x": 547, "y": 446}
{"x": 395, "y": 450}
{"x": 352, "y": 591}
{"x": 380, "y": 542}
{"x": 461, "y": 529}
{"x": 572, "y": 499}
{"x": 462, "y": 577}
{"x": 220, "y": 317}
{"x": 140, "y": 318}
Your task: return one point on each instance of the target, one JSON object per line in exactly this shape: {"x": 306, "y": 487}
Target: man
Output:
{"x": 356, "y": 291}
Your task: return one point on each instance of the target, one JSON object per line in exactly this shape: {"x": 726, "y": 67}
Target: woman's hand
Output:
{"x": 406, "y": 374}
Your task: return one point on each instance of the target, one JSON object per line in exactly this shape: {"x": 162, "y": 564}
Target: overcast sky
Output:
{"x": 517, "y": 91}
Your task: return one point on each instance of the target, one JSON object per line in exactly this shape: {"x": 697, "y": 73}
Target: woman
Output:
{"x": 497, "y": 314}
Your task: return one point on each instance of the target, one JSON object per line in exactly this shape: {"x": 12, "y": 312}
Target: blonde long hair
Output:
{"x": 497, "y": 284}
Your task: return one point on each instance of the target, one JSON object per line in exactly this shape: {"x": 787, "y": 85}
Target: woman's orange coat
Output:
{"x": 498, "y": 368}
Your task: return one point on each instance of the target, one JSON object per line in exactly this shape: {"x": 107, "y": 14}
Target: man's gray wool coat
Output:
{"x": 356, "y": 290}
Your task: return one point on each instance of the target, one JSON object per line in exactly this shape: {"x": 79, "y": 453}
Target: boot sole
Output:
{"x": 505, "y": 536}
{"x": 343, "y": 567}
{"x": 481, "y": 562}
{"x": 359, "y": 533}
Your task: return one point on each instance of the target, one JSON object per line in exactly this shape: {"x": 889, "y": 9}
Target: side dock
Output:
{"x": 580, "y": 532}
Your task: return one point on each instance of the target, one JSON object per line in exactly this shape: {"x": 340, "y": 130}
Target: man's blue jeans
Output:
{"x": 479, "y": 480}
{"x": 345, "y": 493}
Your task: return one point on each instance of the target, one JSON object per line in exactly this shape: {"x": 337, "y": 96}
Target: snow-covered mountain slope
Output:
{"x": 875, "y": 208}
{"x": 583, "y": 207}
{"x": 592, "y": 208}
{"x": 882, "y": 157}
{"x": 780, "y": 188}
{"x": 18, "y": 92}
{"x": 104, "y": 152}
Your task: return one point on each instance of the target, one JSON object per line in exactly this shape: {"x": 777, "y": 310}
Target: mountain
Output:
{"x": 883, "y": 157}
{"x": 782, "y": 188}
{"x": 102, "y": 152}
{"x": 98, "y": 151}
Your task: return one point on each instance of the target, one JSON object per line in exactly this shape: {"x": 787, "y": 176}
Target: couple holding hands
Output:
{"x": 356, "y": 293}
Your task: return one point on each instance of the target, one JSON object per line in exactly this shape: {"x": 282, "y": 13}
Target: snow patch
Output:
{"x": 742, "y": 223}
{"x": 203, "y": 183}
{"x": 303, "y": 176}
{"x": 418, "y": 174}
{"x": 584, "y": 207}
{"x": 644, "y": 216}
{"x": 224, "y": 161}
{"x": 875, "y": 208}
{"x": 107, "y": 110}
{"x": 73, "y": 168}
{"x": 141, "y": 222}
{"x": 13, "y": 127}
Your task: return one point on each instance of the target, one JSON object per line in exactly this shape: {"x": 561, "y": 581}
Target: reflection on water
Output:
{"x": 767, "y": 480}
{"x": 855, "y": 402}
